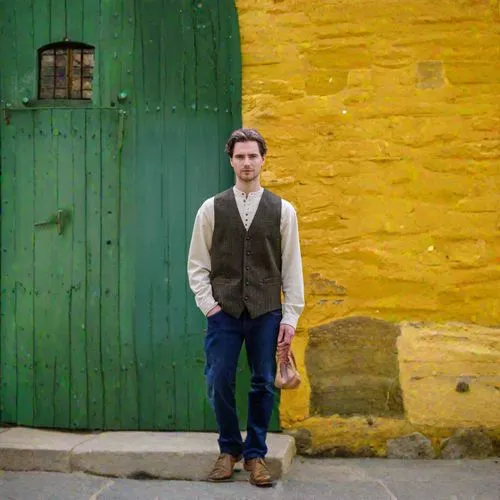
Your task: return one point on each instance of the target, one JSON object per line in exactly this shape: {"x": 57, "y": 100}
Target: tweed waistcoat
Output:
{"x": 246, "y": 265}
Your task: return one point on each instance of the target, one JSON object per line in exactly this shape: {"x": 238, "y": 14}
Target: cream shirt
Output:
{"x": 199, "y": 263}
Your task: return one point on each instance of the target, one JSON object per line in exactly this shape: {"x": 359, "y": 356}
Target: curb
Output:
{"x": 135, "y": 454}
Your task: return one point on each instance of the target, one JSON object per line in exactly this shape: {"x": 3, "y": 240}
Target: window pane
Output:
{"x": 88, "y": 58}
{"x": 46, "y": 92}
{"x": 61, "y": 61}
{"x": 61, "y": 93}
{"x": 48, "y": 60}
{"x": 87, "y": 94}
{"x": 77, "y": 58}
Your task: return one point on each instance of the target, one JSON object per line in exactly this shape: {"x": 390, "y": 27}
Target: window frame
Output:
{"x": 68, "y": 46}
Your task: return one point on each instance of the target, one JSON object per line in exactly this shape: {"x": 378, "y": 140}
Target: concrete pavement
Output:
{"x": 307, "y": 479}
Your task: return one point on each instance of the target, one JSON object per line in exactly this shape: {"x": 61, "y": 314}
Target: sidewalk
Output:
{"x": 307, "y": 479}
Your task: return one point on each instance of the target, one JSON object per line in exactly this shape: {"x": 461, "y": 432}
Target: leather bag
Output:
{"x": 287, "y": 375}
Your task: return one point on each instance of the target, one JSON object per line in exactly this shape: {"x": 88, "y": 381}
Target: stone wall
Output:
{"x": 383, "y": 124}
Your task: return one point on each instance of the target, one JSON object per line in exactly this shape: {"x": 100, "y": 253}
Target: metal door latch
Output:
{"x": 57, "y": 220}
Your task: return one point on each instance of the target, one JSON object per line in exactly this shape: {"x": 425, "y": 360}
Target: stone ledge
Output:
{"x": 26, "y": 449}
{"x": 166, "y": 455}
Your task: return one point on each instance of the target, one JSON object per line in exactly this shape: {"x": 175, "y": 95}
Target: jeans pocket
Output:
{"x": 216, "y": 315}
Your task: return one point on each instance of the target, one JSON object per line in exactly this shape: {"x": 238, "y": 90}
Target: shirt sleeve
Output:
{"x": 291, "y": 266}
{"x": 199, "y": 262}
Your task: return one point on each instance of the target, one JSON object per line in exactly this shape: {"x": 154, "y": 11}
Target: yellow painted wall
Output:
{"x": 383, "y": 124}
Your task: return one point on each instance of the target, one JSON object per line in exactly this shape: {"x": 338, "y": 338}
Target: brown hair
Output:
{"x": 245, "y": 135}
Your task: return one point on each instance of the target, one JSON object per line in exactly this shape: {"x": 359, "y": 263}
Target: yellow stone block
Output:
{"x": 434, "y": 358}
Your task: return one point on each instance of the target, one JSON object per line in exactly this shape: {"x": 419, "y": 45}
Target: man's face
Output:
{"x": 247, "y": 161}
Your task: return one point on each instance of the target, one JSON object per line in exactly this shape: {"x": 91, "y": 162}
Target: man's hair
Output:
{"x": 245, "y": 135}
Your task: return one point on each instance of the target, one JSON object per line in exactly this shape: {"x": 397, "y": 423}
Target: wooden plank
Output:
{"x": 26, "y": 64}
{"x": 26, "y": 51}
{"x": 92, "y": 135}
{"x": 231, "y": 32}
{"x": 93, "y": 269}
{"x": 202, "y": 149}
{"x": 62, "y": 254}
{"x": 109, "y": 80}
{"x": 177, "y": 236}
{"x": 128, "y": 244}
{"x": 172, "y": 209}
{"x": 91, "y": 36}
{"x": 46, "y": 286}
{"x": 157, "y": 25}
{"x": 74, "y": 20}
{"x": 8, "y": 345}
{"x": 110, "y": 328}
{"x": 24, "y": 267}
{"x": 78, "y": 285}
{"x": 144, "y": 66}
{"x": 8, "y": 355}
{"x": 43, "y": 411}
{"x": 41, "y": 22}
{"x": 167, "y": 34}
{"x": 108, "y": 52}
{"x": 58, "y": 20}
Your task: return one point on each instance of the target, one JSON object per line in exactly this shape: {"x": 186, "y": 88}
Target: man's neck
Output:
{"x": 248, "y": 187}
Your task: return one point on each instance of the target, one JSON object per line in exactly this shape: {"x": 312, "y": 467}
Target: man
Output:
{"x": 244, "y": 252}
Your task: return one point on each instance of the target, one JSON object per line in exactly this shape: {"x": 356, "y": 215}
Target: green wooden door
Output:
{"x": 99, "y": 329}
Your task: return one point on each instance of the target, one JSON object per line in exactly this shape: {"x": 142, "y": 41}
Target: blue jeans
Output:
{"x": 224, "y": 338}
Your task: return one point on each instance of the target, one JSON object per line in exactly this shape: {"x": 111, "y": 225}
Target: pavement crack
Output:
{"x": 392, "y": 496}
{"x": 89, "y": 438}
{"x": 95, "y": 496}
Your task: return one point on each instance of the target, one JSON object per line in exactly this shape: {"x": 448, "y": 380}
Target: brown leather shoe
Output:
{"x": 223, "y": 468}
{"x": 259, "y": 473}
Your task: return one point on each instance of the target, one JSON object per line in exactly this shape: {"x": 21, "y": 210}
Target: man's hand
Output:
{"x": 214, "y": 310}
{"x": 285, "y": 337}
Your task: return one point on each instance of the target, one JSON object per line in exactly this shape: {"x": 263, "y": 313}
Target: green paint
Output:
{"x": 104, "y": 312}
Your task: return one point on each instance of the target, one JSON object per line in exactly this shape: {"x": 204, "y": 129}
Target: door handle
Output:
{"x": 57, "y": 220}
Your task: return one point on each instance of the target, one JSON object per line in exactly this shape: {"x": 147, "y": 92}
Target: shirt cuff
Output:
{"x": 289, "y": 319}
{"x": 207, "y": 306}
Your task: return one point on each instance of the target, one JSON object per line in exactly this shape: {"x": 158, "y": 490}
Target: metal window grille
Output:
{"x": 66, "y": 71}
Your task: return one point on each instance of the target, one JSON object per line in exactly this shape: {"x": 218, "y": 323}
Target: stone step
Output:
{"x": 165, "y": 455}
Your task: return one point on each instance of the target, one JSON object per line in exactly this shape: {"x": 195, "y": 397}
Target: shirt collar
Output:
{"x": 240, "y": 194}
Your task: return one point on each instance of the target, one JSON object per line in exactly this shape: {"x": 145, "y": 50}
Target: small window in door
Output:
{"x": 66, "y": 71}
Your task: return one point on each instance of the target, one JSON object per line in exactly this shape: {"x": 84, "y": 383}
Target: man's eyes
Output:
{"x": 242, "y": 157}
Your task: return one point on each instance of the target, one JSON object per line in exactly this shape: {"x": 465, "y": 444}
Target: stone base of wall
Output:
{"x": 336, "y": 436}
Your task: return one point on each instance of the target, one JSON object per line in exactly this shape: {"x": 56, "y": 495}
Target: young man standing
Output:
{"x": 244, "y": 252}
